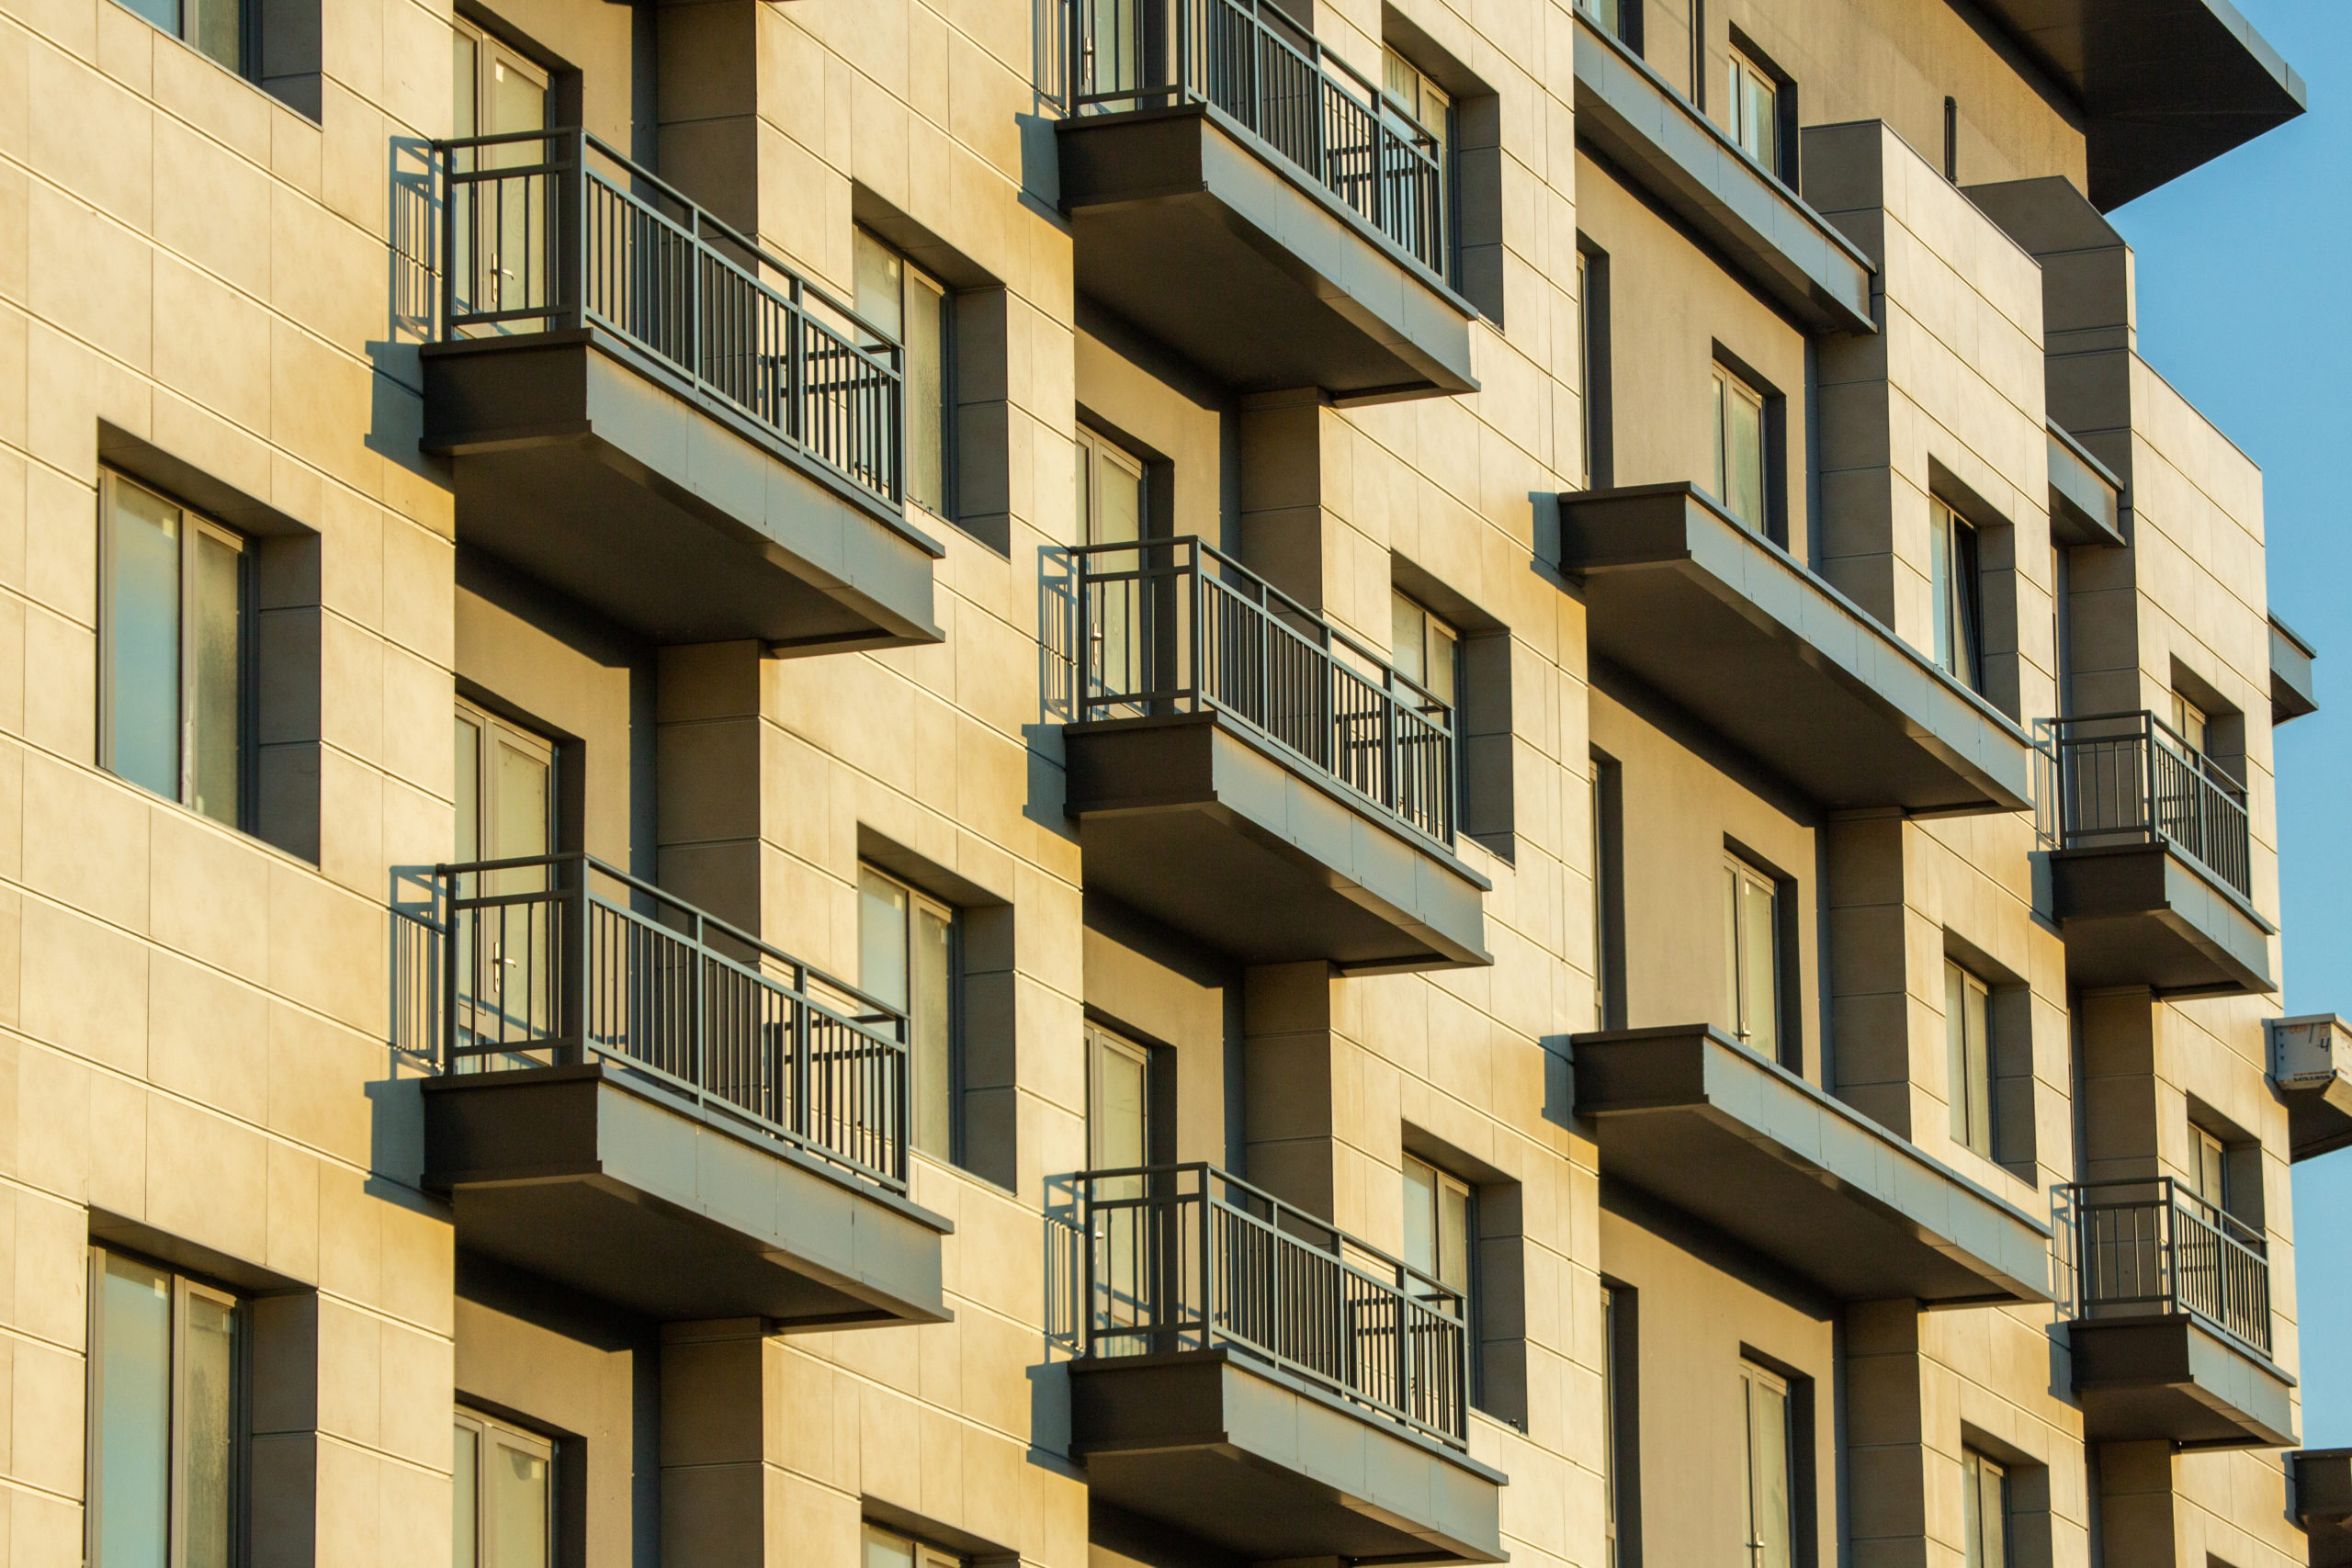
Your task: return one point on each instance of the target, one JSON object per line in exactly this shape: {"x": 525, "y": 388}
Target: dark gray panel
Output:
{"x": 1726, "y": 627}
{"x": 1186, "y": 227}
{"x": 1701, "y": 1122}
{"x": 650, "y": 1204}
{"x": 2173, "y": 1378}
{"x": 1206, "y": 831}
{"x": 2137, "y": 915}
{"x": 581, "y": 464}
{"x": 1262, "y": 1466}
{"x": 2294, "y": 690}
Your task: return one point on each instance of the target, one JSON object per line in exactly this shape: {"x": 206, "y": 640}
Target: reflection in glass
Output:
{"x": 134, "y": 1416}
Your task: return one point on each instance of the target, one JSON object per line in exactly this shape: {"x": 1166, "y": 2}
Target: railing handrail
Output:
{"x": 2178, "y": 1193}
{"x": 1331, "y": 632}
{"x": 2225, "y": 1282}
{"x": 810, "y": 974}
{"x": 2204, "y": 764}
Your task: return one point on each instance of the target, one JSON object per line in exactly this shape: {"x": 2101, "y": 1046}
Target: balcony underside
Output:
{"x": 1269, "y": 1467}
{"x": 581, "y": 463}
{"x": 2319, "y": 1116}
{"x": 2322, "y": 1504}
{"x": 2138, "y": 915}
{"x": 1181, "y": 224}
{"x": 2172, "y": 1377}
{"x": 1699, "y": 1122}
{"x": 1674, "y": 154}
{"x": 1211, "y": 832}
{"x": 652, "y": 1204}
{"x": 1725, "y": 627}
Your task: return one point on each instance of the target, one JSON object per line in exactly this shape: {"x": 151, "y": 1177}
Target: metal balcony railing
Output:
{"x": 544, "y": 230}
{"x": 1273, "y": 77}
{"x": 1186, "y": 1257}
{"x": 2126, "y": 778}
{"x": 2152, "y": 1247}
{"x": 560, "y": 960}
{"x": 1175, "y": 626}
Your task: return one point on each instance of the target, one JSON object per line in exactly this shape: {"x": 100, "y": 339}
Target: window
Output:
{"x": 2190, "y": 723}
{"x": 176, "y": 651}
{"x": 2211, "y": 1179}
{"x": 1739, "y": 449}
{"x": 914, "y": 310}
{"x": 1409, "y": 90}
{"x": 1755, "y": 106}
{"x": 222, "y": 30}
{"x": 1984, "y": 1505}
{"x": 1618, "y": 1427}
{"x": 1952, "y": 586}
{"x": 1111, "y": 510}
{"x": 1619, "y": 19}
{"x": 502, "y": 1502}
{"x": 1608, "y": 892}
{"x": 505, "y": 782}
{"x": 500, "y": 247}
{"x": 1593, "y": 364}
{"x": 1772, "y": 1490}
{"x": 1110, "y": 491}
{"x": 1971, "y": 1059}
{"x": 888, "y": 1548}
{"x": 1951, "y": 140}
{"x": 907, "y": 956}
{"x": 1427, "y": 651}
{"x": 166, "y": 1400}
{"x": 1440, "y": 1217}
{"x": 1118, "y": 1111}
{"x": 1752, "y": 956}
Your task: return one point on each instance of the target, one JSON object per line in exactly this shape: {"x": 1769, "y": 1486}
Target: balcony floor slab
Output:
{"x": 2172, "y": 1377}
{"x": 2138, "y": 915}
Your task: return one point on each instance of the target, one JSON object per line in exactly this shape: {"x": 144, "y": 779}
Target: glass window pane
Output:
{"x": 884, "y": 1549}
{"x": 217, "y": 695}
{"x": 1120, "y": 1133}
{"x": 518, "y": 1507}
{"x": 1118, "y": 513}
{"x": 518, "y": 97}
{"x": 164, "y": 14}
{"x": 1764, "y": 122}
{"x": 1939, "y": 583}
{"x": 1767, "y": 1455}
{"x": 1734, "y": 1012}
{"x": 1441, "y": 650}
{"x": 142, "y": 639}
{"x": 1747, "y": 457}
{"x": 520, "y": 797}
{"x": 465, "y": 1506}
{"x": 878, "y": 277}
{"x": 933, "y": 1038}
{"x": 1454, "y": 1234}
{"x": 882, "y": 937}
{"x": 1406, "y": 625}
{"x": 1977, "y": 1048}
{"x": 1723, "y": 433}
{"x": 207, "y": 1431}
{"x": 926, "y": 393}
{"x": 465, "y": 82}
{"x": 1420, "y": 1215}
{"x": 217, "y": 27}
{"x": 1956, "y": 1050}
{"x": 468, "y": 787}
{"x": 1760, "y": 976}
{"x": 134, "y": 1376}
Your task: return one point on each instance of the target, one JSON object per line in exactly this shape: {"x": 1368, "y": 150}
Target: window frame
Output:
{"x": 918, "y": 904}
{"x": 181, "y": 1289}
{"x": 1754, "y": 1375}
{"x": 1970, "y": 1079}
{"x": 1729, "y": 386}
{"x": 2190, "y": 722}
{"x": 2209, "y": 1178}
{"x": 194, "y": 528}
{"x": 1743, "y": 874}
{"x": 910, "y": 275}
{"x": 1956, "y": 588}
{"x": 1432, "y": 631}
{"x": 488, "y": 1429}
{"x": 1976, "y": 1467}
{"x": 1751, "y": 81}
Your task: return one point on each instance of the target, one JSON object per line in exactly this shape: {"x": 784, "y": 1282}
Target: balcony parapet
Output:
{"x": 1260, "y": 1378}
{"x": 639, "y": 1099}
{"x": 656, "y": 416}
{"x": 1248, "y": 773}
{"x": 2151, "y": 858}
{"x": 2293, "y": 691}
{"x": 2171, "y": 1318}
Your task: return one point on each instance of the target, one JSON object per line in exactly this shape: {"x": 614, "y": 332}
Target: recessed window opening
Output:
{"x": 1425, "y": 649}
{"x": 1955, "y": 587}
{"x": 1413, "y": 93}
{"x": 175, "y": 652}
{"x": 2211, "y": 1179}
{"x": 2190, "y": 723}
{"x": 1969, "y": 1055}
{"x": 1769, "y": 1416}
{"x": 1752, "y": 960}
{"x": 1739, "y": 449}
{"x": 907, "y": 957}
{"x": 1984, "y": 1510}
{"x": 167, "y": 1438}
{"x": 1951, "y": 140}
{"x": 1755, "y": 108}
{"x": 916, "y": 311}
{"x": 502, "y": 1495}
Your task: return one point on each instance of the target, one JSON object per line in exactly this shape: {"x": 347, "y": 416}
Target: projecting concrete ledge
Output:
{"x": 1269, "y": 1466}
{"x": 1698, "y": 1120}
{"x": 2139, "y": 915}
{"x": 642, "y": 1199}
{"x": 2171, "y": 1376}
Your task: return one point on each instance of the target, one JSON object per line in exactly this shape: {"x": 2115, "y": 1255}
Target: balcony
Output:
{"x": 1245, "y": 196}
{"x": 2085, "y": 498}
{"x": 642, "y": 1103}
{"x": 2293, "y": 691}
{"x": 1256, "y": 1378}
{"x": 2322, "y": 1503}
{"x": 2171, "y": 1320}
{"x": 650, "y": 413}
{"x": 1698, "y": 1120}
{"x": 2151, "y": 859}
{"x": 2310, "y": 1067}
{"x": 1722, "y": 623}
{"x": 1254, "y": 777}
{"x": 1661, "y": 145}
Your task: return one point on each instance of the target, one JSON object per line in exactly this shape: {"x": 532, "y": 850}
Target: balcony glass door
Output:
{"x": 1111, "y": 513}
{"x": 499, "y": 227}
{"x": 505, "y": 782}
{"x": 1118, "y": 1134}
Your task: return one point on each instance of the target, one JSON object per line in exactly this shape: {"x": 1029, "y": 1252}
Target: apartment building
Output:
{"x": 1135, "y": 784}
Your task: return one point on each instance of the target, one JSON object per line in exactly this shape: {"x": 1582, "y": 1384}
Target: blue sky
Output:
{"x": 2244, "y": 307}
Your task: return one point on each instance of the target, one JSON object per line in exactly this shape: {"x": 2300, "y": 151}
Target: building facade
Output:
{"x": 1225, "y": 783}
